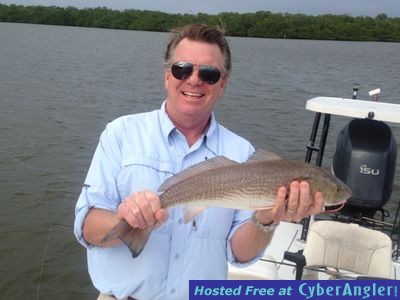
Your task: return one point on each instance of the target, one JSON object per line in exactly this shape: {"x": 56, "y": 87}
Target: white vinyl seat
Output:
{"x": 348, "y": 247}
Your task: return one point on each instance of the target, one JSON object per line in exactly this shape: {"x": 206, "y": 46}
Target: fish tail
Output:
{"x": 134, "y": 238}
{"x": 117, "y": 232}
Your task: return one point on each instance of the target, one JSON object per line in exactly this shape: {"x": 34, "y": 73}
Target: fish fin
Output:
{"x": 199, "y": 168}
{"x": 189, "y": 212}
{"x": 136, "y": 239}
{"x": 263, "y": 155}
{"x": 117, "y": 232}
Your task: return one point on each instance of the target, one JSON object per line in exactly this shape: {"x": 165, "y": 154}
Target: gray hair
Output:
{"x": 200, "y": 33}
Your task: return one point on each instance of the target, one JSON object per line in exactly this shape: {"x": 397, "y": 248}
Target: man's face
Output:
{"x": 191, "y": 96}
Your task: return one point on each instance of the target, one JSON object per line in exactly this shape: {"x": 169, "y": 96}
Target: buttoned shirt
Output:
{"x": 138, "y": 152}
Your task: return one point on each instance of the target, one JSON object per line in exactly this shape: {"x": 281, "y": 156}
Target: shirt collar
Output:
{"x": 166, "y": 124}
{"x": 210, "y": 137}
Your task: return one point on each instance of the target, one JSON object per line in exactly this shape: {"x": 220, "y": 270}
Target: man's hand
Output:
{"x": 143, "y": 209}
{"x": 293, "y": 206}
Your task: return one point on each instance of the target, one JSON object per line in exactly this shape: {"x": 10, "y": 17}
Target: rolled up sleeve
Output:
{"x": 100, "y": 188}
{"x": 241, "y": 216}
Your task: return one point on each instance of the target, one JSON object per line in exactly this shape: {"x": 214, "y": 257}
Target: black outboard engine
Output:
{"x": 365, "y": 159}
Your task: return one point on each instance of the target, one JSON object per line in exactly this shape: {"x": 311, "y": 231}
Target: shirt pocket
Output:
{"x": 141, "y": 174}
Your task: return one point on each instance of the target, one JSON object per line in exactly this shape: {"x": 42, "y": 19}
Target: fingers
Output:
{"x": 161, "y": 217}
{"x": 142, "y": 209}
{"x": 275, "y": 214}
{"x": 293, "y": 199}
{"x": 318, "y": 205}
{"x": 280, "y": 204}
{"x": 304, "y": 202}
{"x": 148, "y": 204}
{"x": 301, "y": 204}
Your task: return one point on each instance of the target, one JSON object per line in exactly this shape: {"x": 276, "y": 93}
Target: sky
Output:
{"x": 310, "y": 7}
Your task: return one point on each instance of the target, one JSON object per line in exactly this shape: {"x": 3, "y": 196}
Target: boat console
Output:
{"x": 364, "y": 158}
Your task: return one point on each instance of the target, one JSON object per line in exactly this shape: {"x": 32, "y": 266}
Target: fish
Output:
{"x": 222, "y": 182}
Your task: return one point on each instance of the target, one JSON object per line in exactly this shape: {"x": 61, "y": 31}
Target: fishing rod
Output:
{"x": 44, "y": 255}
{"x": 336, "y": 274}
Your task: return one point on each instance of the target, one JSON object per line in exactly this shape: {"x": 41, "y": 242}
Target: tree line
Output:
{"x": 264, "y": 24}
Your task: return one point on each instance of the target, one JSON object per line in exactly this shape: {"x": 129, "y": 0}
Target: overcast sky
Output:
{"x": 312, "y": 7}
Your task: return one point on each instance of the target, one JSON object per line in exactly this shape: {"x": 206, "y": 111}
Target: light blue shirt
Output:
{"x": 138, "y": 152}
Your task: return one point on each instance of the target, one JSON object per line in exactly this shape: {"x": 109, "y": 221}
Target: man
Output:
{"x": 137, "y": 153}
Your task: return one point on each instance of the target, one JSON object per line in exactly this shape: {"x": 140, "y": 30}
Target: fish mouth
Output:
{"x": 334, "y": 208}
{"x": 340, "y": 202}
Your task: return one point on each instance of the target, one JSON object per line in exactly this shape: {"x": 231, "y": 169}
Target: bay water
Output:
{"x": 59, "y": 86}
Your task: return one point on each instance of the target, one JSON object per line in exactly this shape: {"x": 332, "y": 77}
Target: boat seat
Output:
{"x": 348, "y": 247}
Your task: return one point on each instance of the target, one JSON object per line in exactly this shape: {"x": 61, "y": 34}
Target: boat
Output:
{"x": 351, "y": 243}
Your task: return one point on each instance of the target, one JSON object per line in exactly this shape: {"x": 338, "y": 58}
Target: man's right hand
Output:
{"x": 143, "y": 209}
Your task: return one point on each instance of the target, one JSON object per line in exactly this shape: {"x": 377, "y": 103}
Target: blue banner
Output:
{"x": 291, "y": 289}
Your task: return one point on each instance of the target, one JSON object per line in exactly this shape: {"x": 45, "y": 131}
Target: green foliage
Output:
{"x": 259, "y": 24}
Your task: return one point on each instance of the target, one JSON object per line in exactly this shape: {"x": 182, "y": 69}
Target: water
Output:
{"x": 59, "y": 86}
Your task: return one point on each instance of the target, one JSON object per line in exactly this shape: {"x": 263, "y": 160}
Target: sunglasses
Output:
{"x": 182, "y": 70}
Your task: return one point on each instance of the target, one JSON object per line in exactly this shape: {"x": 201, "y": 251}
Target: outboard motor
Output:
{"x": 365, "y": 159}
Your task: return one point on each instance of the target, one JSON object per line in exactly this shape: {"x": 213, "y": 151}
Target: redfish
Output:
{"x": 225, "y": 183}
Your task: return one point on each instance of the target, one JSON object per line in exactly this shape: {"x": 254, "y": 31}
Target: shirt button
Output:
{"x": 177, "y": 257}
{"x": 172, "y": 291}
{"x": 180, "y": 221}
